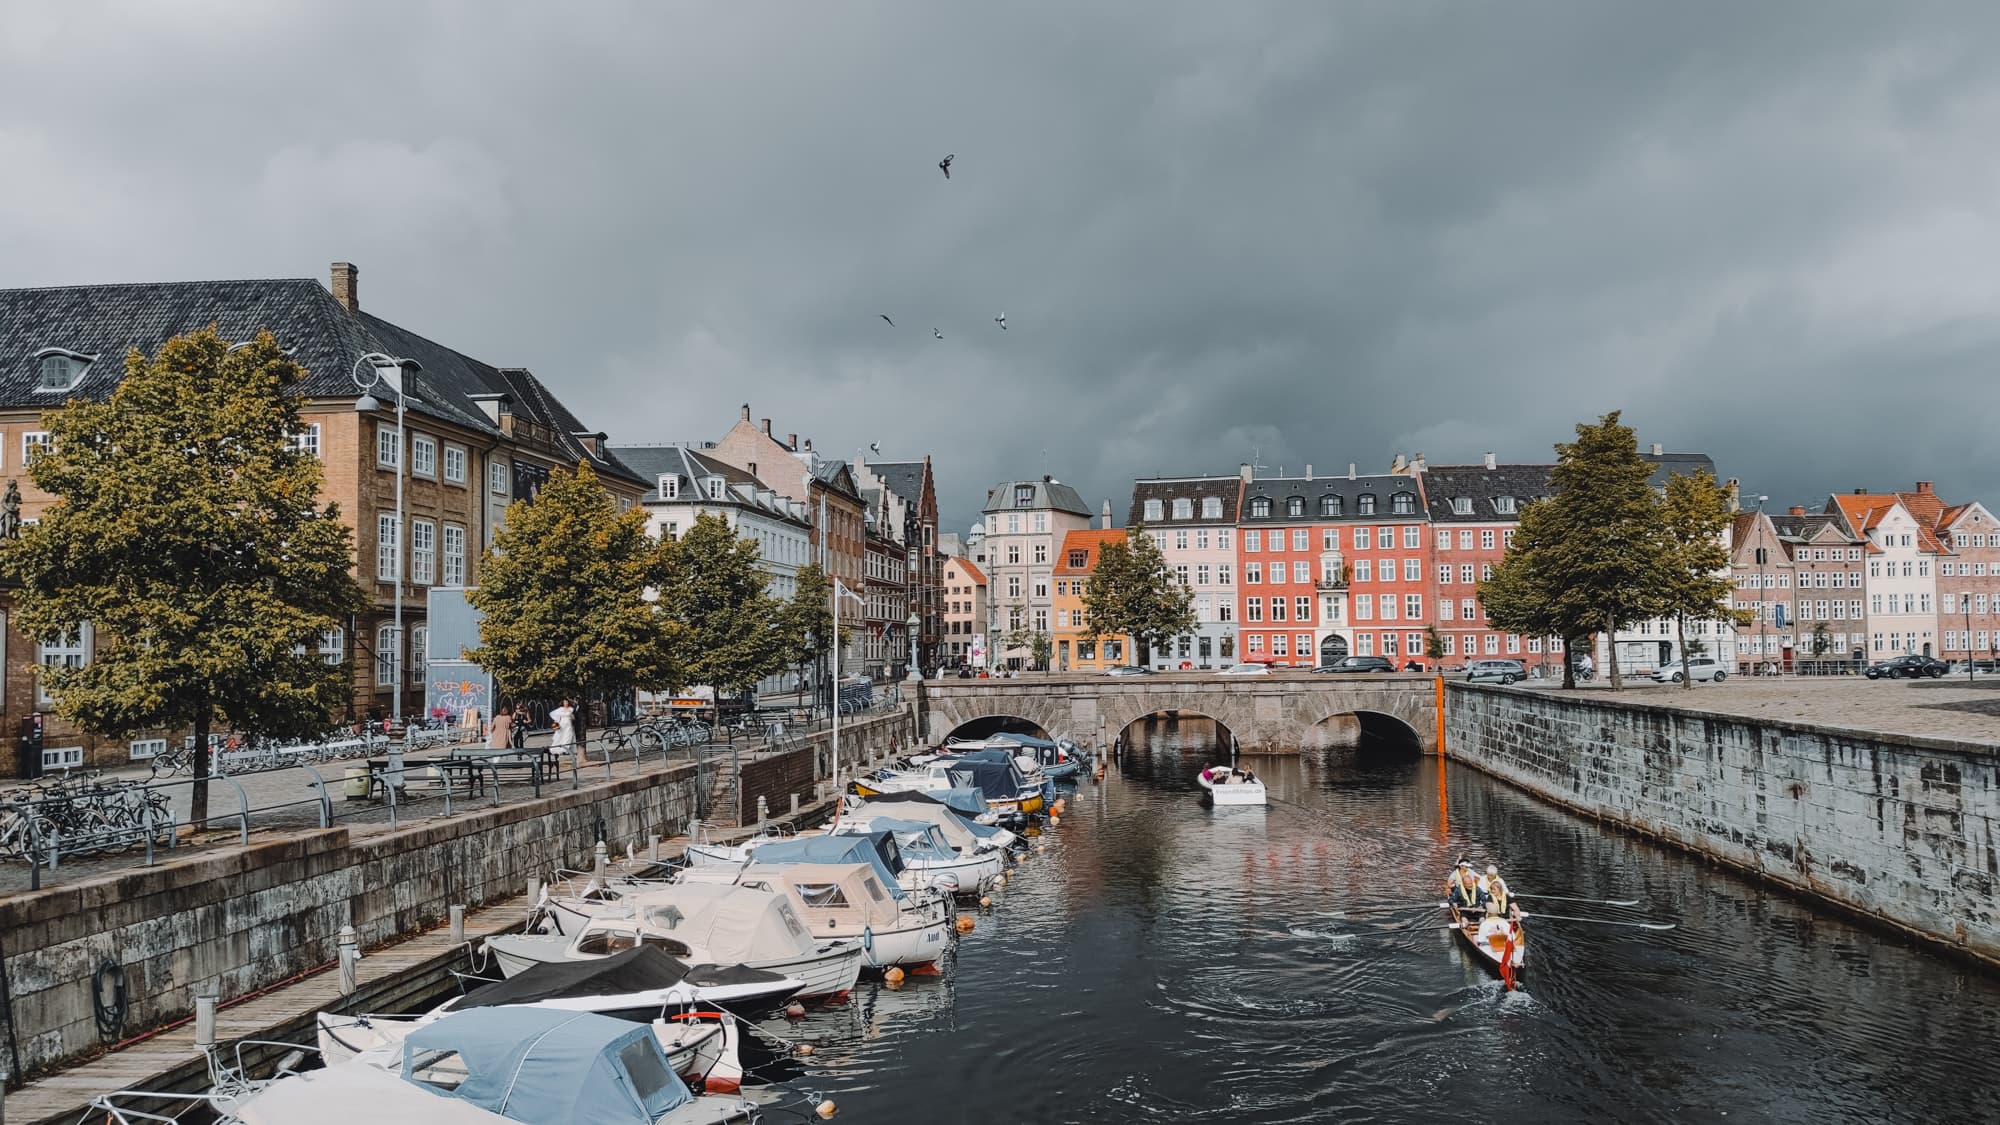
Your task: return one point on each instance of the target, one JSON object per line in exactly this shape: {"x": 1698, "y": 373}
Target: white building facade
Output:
{"x": 1193, "y": 519}
{"x": 1024, "y": 523}
{"x": 1901, "y": 586}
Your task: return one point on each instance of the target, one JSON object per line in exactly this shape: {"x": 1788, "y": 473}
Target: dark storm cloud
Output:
{"x": 1314, "y": 232}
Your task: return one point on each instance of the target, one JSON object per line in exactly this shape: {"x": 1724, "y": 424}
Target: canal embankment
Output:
{"x": 1897, "y": 828}
{"x": 229, "y": 922}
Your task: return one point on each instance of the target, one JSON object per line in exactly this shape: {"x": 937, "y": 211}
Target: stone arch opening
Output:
{"x": 1366, "y": 732}
{"x": 1176, "y": 729}
{"x": 985, "y": 726}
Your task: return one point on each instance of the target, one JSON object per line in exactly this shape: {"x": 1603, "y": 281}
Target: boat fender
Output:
{"x": 1054, "y": 820}
{"x": 795, "y": 1010}
{"x": 893, "y": 978}
{"x": 986, "y": 900}
{"x": 803, "y": 1049}
{"x": 826, "y": 1108}
{"x": 868, "y": 940}
{"x": 965, "y": 923}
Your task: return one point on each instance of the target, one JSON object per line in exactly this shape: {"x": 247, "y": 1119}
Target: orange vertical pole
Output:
{"x": 1444, "y": 813}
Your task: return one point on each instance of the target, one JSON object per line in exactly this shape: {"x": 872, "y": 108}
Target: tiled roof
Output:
{"x": 1348, "y": 490}
{"x": 1862, "y": 512}
{"x": 108, "y": 320}
{"x": 1685, "y": 464}
{"x": 1928, "y": 510}
{"x": 1047, "y": 494}
{"x": 972, "y": 569}
{"x": 1811, "y": 527}
{"x": 904, "y": 478}
{"x": 1476, "y": 488}
{"x": 836, "y": 477}
{"x": 1166, "y": 490}
{"x": 689, "y": 466}
{"x": 1087, "y": 542}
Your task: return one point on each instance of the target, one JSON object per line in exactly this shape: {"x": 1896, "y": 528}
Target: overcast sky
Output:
{"x": 1317, "y": 232}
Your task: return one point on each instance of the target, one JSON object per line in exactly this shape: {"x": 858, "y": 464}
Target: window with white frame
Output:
{"x": 1492, "y": 644}
{"x": 59, "y": 370}
{"x": 496, "y": 477}
{"x": 454, "y": 555}
{"x": 1413, "y": 570}
{"x": 388, "y": 447}
{"x": 1183, "y": 508}
{"x": 1302, "y": 608}
{"x": 1387, "y": 606}
{"x": 33, "y": 442}
{"x": 333, "y": 646}
{"x": 1465, "y": 540}
{"x": 423, "y": 455}
{"x": 1211, "y": 507}
{"x": 423, "y": 552}
{"x": 72, "y": 651}
{"x": 454, "y": 464}
{"x": 388, "y": 655}
{"x": 1301, "y": 539}
{"x": 1450, "y": 643}
{"x": 1413, "y": 606}
{"x": 388, "y": 547}
{"x": 1444, "y": 574}
{"x": 1153, "y": 511}
{"x": 305, "y": 439}
{"x": 420, "y": 656}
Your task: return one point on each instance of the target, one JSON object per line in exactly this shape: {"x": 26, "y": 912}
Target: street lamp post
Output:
{"x": 1763, "y": 595}
{"x": 840, "y": 591}
{"x": 915, "y": 623}
{"x": 1965, "y": 603}
{"x": 378, "y": 367}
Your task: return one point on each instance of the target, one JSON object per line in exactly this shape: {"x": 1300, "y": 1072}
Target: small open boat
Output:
{"x": 1501, "y": 945}
{"x": 1227, "y": 785}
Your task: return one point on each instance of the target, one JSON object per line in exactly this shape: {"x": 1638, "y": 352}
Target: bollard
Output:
{"x": 795, "y": 804}
{"x": 457, "y": 925}
{"x": 656, "y": 859}
{"x": 694, "y": 830}
{"x": 763, "y": 812}
{"x": 350, "y": 957}
{"x": 204, "y": 1023}
{"x": 534, "y": 891}
{"x": 601, "y": 863}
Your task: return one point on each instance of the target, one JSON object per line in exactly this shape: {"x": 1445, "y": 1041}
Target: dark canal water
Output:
{"x": 1159, "y": 961}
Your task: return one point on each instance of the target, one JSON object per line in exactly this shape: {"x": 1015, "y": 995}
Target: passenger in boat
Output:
{"x": 1467, "y": 894}
{"x": 1497, "y": 894}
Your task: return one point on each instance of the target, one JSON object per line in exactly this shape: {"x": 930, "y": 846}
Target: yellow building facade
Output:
{"x": 1075, "y": 649}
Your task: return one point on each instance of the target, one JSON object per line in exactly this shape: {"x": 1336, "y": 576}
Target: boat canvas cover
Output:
{"x": 837, "y": 849}
{"x": 354, "y": 1091}
{"x": 542, "y": 1066}
{"x": 644, "y": 969}
{"x": 849, "y": 895}
{"x": 967, "y": 802}
{"x": 1027, "y": 740}
{"x": 996, "y": 781}
{"x": 957, "y": 830}
{"x": 919, "y": 839}
{"x": 733, "y": 924}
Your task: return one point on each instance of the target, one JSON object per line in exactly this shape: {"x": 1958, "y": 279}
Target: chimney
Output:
{"x": 1656, "y": 449}
{"x": 346, "y": 286}
{"x": 1923, "y": 488}
{"x": 1350, "y": 470}
{"x": 1398, "y": 465}
{"x": 753, "y": 468}
{"x": 1861, "y": 492}
{"x": 1309, "y": 470}
{"x": 1417, "y": 463}
{"x": 1491, "y": 463}
{"x": 792, "y": 440}
{"x": 1106, "y": 525}
{"x": 1243, "y": 471}
{"x": 746, "y": 412}
{"x": 1798, "y": 511}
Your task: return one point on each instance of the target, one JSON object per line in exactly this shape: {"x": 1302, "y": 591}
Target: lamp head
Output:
{"x": 367, "y": 404}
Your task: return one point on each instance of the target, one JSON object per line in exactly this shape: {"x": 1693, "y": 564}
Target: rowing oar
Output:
{"x": 1588, "y": 901}
{"x": 1602, "y": 921}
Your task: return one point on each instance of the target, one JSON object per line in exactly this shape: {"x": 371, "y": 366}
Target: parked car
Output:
{"x": 1129, "y": 670}
{"x": 1699, "y": 667}
{"x": 1495, "y": 671}
{"x": 1358, "y": 664}
{"x": 1911, "y": 667}
{"x": 1246, "y": 670}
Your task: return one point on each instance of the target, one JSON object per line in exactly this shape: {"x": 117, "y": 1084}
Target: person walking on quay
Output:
{"x": 563, "y": 719}
{"x": 500, "y": 735}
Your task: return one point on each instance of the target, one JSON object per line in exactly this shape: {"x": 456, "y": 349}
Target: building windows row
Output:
{"x": 423, "y": 551}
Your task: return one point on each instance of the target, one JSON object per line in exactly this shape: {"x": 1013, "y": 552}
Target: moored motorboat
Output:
{"x": 1227, "y": 785}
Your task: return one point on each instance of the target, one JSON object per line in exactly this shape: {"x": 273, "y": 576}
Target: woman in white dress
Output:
{"x": 564, "y": 720}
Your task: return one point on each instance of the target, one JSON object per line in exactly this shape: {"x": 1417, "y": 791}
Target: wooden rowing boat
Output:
{"x": 1501, "y": 945}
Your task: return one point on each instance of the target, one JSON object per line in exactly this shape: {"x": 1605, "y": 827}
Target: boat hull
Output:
{"x": 1488, "y": 941}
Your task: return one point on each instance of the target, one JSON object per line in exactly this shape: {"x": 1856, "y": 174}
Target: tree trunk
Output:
{"x": 1681, "y": 625}
{"x": 1569, "y": 663}
{"x": 579, "y": 723}
{"x": 198, "y": 793}
{"x": 1611, "y": 652}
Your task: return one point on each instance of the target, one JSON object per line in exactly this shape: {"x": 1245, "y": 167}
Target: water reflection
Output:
{"x": 1159, "y": 959}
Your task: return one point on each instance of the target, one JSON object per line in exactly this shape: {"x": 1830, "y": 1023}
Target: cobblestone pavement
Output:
{"x": 1944, "y": 708}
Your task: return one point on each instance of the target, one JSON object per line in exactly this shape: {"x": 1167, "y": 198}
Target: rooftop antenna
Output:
{"x": 1257, "y": 459}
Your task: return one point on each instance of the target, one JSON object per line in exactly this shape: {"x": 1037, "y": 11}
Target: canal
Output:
{"x": 1155, "y": 960}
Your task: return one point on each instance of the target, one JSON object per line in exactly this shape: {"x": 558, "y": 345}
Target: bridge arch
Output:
{"x": 985, "y": 726}
{"x": 1364, "y": 730}
{"x": 1165, "y": 724}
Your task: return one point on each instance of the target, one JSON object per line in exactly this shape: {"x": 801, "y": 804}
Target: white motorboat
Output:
{"x": 847, "y": 900}
{"x": 1227, "y": 785}
{"x": 929, "y": 861}
{"x": 965, "y": 834}
{"x": 701, "y": 1045}
{"x": 488, "y": 1067}
{"x": 703, "y": 924}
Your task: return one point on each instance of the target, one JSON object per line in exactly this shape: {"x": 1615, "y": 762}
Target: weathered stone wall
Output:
{"x": 777, "y": 779}
{"x": 1897, "y": 828}
{"x": 230, "y": 922}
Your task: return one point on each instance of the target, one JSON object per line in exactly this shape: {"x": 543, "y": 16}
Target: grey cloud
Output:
{"x": 1323, "y": 233}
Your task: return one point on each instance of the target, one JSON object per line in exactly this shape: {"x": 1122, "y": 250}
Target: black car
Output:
{"x": 1359, "y": 664}
{"x": 1911, "y": 666}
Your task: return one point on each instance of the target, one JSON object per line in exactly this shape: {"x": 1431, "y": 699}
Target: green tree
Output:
{"x": 731, "y": 632}
{"x": 807, "y": 619}
{"x": 562, "y": 594}
{"x": 1039, "y": 648}
{"x": 1433, "y": 643}
{"x": 187, "y": 535}
{"x": 1588, "y": 559}
{"x": 1132, "y": 591}
{"x": 1822, "y": 639}
{"x": 1694, "y": 582}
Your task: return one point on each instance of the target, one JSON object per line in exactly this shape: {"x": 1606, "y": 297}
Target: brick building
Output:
{"x": 909, "y": 496}
{"x": 964, "y": 610}
{"x": 1828, "y": 624}
{"x": 1968, "y": 579}
{"x": 1474, "y": 510}
{"x": 479, "y": 437}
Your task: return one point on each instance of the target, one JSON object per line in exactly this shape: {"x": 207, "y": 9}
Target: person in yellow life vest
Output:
{"x": 1498, "y": 897}
{"x": 1466, "y": 892}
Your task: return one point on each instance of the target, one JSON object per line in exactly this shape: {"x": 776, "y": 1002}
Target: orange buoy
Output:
{"x": 826, "y": 1109}
{"x": 965, "y": 923}
{"x": 894, "y": 976}
{"x": 1054, "y": 821}
{"x": 804, "y": 1049}
{"x": 795, "y": 1010}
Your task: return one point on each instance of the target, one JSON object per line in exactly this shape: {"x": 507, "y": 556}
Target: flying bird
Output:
{"x": 936, "y": 334}
{"x": 945, "y": 165}
{"x": 1001, "y": 320}
{"x": 875, "y": 447}
{"x": 886, "y": 320}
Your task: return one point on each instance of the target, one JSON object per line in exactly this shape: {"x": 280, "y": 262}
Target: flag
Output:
{"x": 1507, "y": 957}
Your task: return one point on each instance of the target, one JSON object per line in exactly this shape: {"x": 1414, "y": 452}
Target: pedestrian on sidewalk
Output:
{"x": 500, "y": 736}
{"x": 563, "y": 719}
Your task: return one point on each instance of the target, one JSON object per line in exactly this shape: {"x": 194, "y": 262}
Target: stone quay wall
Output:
{"x": 1898, "y": 829}
{"x": 232, "y": 921}
{"x": 778, "y": 778}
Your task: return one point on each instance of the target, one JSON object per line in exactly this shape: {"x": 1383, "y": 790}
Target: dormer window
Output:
{"x": 1504, "y": 505}
{"x": 715, "y": 488}
{"x": 1183, "y": 508}
{"x": 1461, "y": 505}
{"x": 1403, "y": 504}
{"x": 670, "y": 486}
{"x": 1260, "y": 508}
{"x": 1024, "y": 496}
{"x": 61, "y": 370}
{"x": 1329, "y": 505}
{"x": 1152, "y": 511}
{"x": 1211, "y": 507}
{"x": 1295, "y": 507}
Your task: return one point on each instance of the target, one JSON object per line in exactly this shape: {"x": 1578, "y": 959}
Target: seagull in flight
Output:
{"x": 945, "y": 165}
{"x": 936, "y": 334}
{"x": 1001, "y": 320}
{"x": 886, "y": 320}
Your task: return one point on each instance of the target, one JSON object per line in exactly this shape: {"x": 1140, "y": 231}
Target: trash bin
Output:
{"x": 355, "y": 788}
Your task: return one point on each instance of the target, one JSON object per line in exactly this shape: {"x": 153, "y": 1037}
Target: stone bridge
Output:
{"x": 1275, "y": 714}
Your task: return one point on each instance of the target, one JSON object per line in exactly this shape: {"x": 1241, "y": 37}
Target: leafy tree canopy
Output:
{"x": 1132, "y": 591}
{"x": 732, "y": 633}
